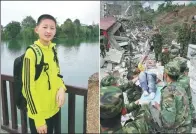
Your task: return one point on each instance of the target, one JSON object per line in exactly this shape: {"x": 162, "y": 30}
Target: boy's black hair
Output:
{"x": 175, "y": 78}
{"x": 45, "y": 16}
{"x": 112, "y": 122}
{"x": 131, "y": 73}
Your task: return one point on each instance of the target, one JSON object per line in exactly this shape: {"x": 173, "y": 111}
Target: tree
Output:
{"x": 77, "y": 27}
{"x": 28, "y": 22}
{"x": 68, "y": 28}
{"x": 161, "y": 7}
{"x": 13, "y": 29}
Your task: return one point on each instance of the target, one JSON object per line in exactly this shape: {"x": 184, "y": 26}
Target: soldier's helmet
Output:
{"x": 108, "y": 81}
{"x": 172, "y": 69}
{"x": 166, "y": 46}
{"x": 181, "y": 62}
{"x": 111, "y": 102}
{"x": 174, "y": 53}
{"x": 194, "y": 18}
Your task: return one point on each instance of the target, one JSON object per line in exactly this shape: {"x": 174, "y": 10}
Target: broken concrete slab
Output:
{"x": 114, "y": 28}
{"x": 120, "y": 38}
{"x": 114, "y": 56}
{"x": 114, "y": 43}
{"x": 109, "y": 66}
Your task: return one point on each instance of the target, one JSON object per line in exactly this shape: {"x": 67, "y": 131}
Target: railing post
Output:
{"x": 93, "y": 104}
{"x": 13, "y": 107}
{"x": 4, "y": 103}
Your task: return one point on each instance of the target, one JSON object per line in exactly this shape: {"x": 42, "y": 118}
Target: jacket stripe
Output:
{"x": 25, "y": 85}
{"x": 28, "y": 87}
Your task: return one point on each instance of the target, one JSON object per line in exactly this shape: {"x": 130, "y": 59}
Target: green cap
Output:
{"x": 165, "y": 46}
{"x": 108, "y": 80}
{"x": 111, "y": 102}
{"x": 172, "y": 69}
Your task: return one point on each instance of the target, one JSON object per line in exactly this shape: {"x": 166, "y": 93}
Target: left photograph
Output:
{"x": 50, "y": 67}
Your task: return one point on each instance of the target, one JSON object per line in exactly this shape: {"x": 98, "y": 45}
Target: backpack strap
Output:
{"x": 56, "y": 60}
{"x": 39, "y": 59}
{"x": 55, "y": 55}
{"x": 38, "y": 53}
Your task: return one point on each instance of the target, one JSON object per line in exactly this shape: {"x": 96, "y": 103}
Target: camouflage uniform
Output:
{"x": 165, "y": 58}
{"x": 184, "y": 81}
{"x": 193, "y": 31}
{"x": 102, "y": 48}
{"x": 111, "y": 104}
{"x": 157, "y": 40}
{"x": 105, "y": 42}
{"x": 175, "y": 110}
{"x": 183, "y": 38}
{"x": 134, "y": 93}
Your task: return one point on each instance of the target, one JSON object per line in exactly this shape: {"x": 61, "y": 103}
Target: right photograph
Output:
{"x": 147, "y": 67}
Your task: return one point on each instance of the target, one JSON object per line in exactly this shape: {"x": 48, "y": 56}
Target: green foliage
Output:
{"x": 161, "y": 7}
{"x": 28, "y": 33}
{"x": 191, "y": 4}
{"x": 77, "y": 28}
{"x": 68, "y": 29}
{"x": 28, "y": 22}
{"x": 12, "y": 29}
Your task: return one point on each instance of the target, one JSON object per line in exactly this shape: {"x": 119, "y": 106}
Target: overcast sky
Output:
{"x": 85, "y": 11}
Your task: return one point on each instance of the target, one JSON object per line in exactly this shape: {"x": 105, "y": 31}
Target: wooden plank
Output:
{"x": 76, "y": 90}
{"x": 71, "y": 113}
{"x": 13, "y": 107}
{"x": 9, "y": 130}
{"x": 4, "y": 103}
{"x": 7, "y": 77}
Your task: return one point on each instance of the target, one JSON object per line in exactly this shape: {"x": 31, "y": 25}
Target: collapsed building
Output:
{"x": 128, "y": 44}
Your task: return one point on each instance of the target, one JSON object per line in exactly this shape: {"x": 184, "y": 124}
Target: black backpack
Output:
{"x": 20, "y": 100}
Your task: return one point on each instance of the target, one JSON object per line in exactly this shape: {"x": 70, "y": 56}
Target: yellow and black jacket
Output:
{"x": 40, "y": 95}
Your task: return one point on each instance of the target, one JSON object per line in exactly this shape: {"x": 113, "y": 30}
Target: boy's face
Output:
{"x": 46, "y": 30}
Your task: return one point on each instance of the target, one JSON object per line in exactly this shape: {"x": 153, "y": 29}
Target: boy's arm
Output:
{"x": 28, "y": 75}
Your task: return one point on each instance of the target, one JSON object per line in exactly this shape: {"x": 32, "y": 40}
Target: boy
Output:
{"x": 47, "y": 94}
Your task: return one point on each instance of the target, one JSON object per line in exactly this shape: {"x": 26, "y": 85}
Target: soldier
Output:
{"x": 183, "y": 38}
{"x": 133, "y": 91}
{"x": 112, "y": 107}
{"x": 173, "y": 53}
{"x": 184, "y": 81}
{"x": 193, "y": 31}
{"x": 174, "y": 109}
{"x": 102, "y": 48}
{"x": 105, "y": 42}
{"x": 165, "y": 58}
{"x": 157, "y": 40}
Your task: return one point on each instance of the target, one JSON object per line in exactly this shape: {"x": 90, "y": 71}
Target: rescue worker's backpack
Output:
{"x": 20, "y": 100}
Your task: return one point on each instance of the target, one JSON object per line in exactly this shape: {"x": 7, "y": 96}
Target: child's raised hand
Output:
{"x": 60, "y": 97}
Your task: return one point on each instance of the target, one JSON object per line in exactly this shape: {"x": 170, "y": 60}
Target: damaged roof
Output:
{"x": 106, "y": 23}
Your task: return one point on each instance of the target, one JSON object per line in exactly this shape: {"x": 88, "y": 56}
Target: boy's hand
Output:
{"x": 60, "y": 97}
{"x": 137, "y": 102}
{"x": 157, "y": 106}
{"x": 135, "y": 79}
{"x": 42, "y": 129}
